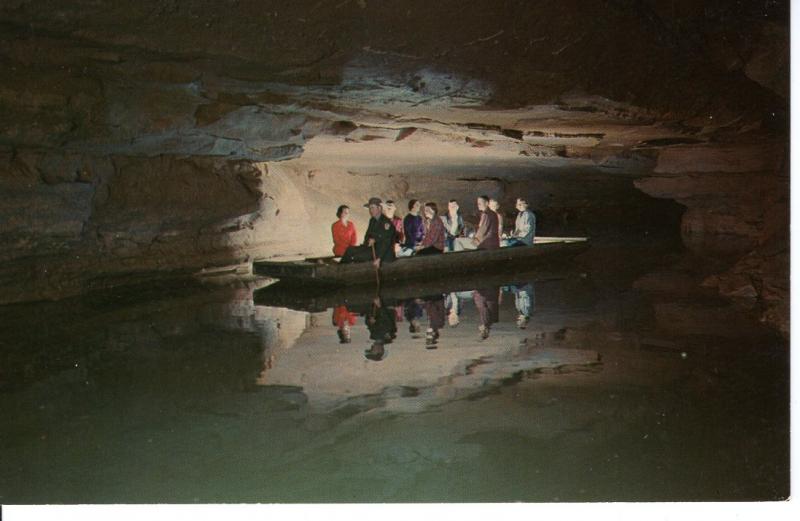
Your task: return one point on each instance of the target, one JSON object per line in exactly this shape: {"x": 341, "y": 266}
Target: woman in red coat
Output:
{"x": 344, "y": 231}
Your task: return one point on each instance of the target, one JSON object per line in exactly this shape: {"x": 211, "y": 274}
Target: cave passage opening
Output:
{"x": 569, "y": 197}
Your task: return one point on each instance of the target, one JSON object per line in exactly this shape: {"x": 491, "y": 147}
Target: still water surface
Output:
{"x": 575, "y": 389}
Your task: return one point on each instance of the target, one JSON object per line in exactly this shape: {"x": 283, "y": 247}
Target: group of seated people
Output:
{"x": 388, "y": 236}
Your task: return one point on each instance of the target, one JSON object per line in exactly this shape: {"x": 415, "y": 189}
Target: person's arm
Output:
{"x": 426, "y": 238}
{"x": 420, "y": 232}
{"x": 384, "y": 247}
{"x": 436, "y": 234}
{"x": 408, "y": 231}
{"x": 370, "y": 234}
{"x": 387, "y": 249}
{"x": 483, "y": 229}
{"x": 452, "y": 228}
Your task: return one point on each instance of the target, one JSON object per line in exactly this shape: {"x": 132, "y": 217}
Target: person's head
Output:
{"x": 343, "y": 212}
{"x": 414, "y": 206}
{"x": 494, "y": 205}
{"x": 452, "y": 206}
{"x": 375, "y": 206}
{"x": 483, "y": 202}
{"x": 431, "y": 210}
{"x": 389, "y": 209}
{"x": 522, "y": 204}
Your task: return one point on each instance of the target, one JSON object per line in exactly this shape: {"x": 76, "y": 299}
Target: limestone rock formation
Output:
{"x": 149, "y": 138}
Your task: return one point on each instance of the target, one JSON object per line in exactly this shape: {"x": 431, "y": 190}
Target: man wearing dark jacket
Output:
{"x": 380, "y": 236}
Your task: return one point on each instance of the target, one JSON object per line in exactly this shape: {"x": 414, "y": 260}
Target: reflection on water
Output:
{"x": 332, "y": 359}
{"x": 381, "y": 317}
{"x": 496, "y": 389}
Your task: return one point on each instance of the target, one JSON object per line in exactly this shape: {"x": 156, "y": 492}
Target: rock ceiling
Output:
{"x": 164, "y": 135}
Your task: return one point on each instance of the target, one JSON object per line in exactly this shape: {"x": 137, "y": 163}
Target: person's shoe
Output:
{"x": 484, "y": 332}
{"x": 375, "y": 353}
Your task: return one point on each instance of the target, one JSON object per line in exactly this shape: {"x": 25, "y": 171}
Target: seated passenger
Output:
{"x": 344, "y": 231}
{"x": 413, "y": 229}
{"x": 453, "y": 224}
{"x": 486, "y": 237}
{"x": 390, "y": 210}
{"x": 433, "y": 240}
{"x": 524, "y": 227}
{"x": 494, "y": 205}
{"x": 378, "y": 243}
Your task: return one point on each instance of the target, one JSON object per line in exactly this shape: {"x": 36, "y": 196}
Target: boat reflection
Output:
{"x": 317, "y": 299}
{"x": 438, "y": 341}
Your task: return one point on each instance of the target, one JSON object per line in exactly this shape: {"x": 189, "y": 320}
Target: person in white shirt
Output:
{"x": 524, "y": 226}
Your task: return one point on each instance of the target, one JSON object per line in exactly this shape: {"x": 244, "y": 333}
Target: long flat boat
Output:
{"x": 328, "y": 271}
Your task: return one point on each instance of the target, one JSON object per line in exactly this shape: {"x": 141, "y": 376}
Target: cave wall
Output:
{"x": 72, "y": 223}
{"x": 737, "y": 200}
{"x": 168, "y": 137}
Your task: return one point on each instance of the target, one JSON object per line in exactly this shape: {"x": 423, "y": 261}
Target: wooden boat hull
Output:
{"x": 314, "y": 299}
{"x": 330, "y": 273}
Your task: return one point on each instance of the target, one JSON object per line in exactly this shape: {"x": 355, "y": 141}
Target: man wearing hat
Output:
{"x": 380, "y": 236}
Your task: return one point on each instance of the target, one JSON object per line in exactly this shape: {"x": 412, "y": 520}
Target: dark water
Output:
{"x": 582, "y": 388}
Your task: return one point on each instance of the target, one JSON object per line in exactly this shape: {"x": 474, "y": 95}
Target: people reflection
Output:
{"x": 382, "y": 329}
{"x": 453, "y": 306}
{"x": 344, "y": 320}
{"x": 486, "y": 300}
{"x": 413, "y": 313}
{"x": 524, "y": 300}
{"x": 434, "y": 307}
